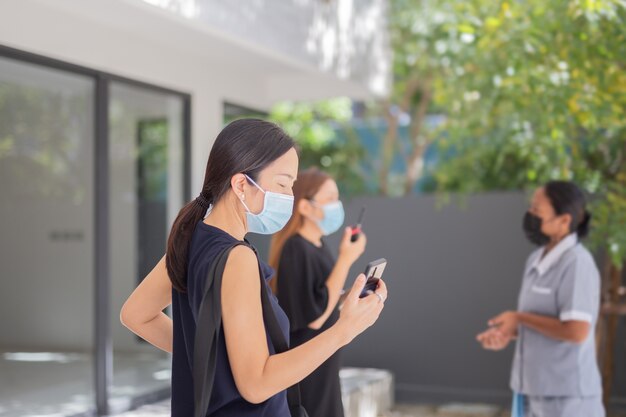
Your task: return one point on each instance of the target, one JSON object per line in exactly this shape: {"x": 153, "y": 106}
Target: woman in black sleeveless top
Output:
{"x": 247, "y": 188}
{"x": 207, "y": 242}
{"x": 309, "y": 280}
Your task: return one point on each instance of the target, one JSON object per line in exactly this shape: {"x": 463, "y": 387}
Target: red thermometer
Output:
{"x": 356, "y": 230}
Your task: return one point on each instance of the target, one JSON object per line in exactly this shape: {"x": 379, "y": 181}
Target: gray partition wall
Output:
{"x": 450, "y": 269}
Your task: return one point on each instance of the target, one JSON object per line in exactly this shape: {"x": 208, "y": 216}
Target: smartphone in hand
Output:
{"x": 373, "y": 273}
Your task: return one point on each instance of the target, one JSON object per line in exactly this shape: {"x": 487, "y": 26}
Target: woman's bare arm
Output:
{"x": 143, "y": 313}
{"x": 349, "y": 252}
{"x": 259, "y": 375}
{"x": 573, "y": 331}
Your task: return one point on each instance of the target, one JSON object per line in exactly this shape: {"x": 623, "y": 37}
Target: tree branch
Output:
{"x": 419, "y": 140}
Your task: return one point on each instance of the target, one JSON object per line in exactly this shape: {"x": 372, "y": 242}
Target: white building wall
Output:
{"x": 133, "y": 39}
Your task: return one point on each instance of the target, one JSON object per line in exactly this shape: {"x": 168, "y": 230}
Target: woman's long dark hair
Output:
{"x": 567, "y": 198}
{"x": 244, "y": 146}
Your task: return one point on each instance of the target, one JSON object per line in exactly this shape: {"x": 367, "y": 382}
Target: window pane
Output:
{"x": 146, "y": 157}
{"x": 46, "y": 235}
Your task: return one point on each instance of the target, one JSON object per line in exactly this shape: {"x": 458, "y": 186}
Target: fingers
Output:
{"x": 373, "y": 303}
{"x": 495, "y": 321}
{"x": 493, "y": 340}
{"x": 356, "y": 289}
{"x": 372, "y": 299}
{"x": 482, "y": 336}
{"x": 347, "y": 234}
{"x": 381, "y": 295}
{"x": 374, "y": 295}
{"x": 485, "y": 335}
{"x": 490, "y": 342}
{"x": 495, "y": 344}
{"x": 381, "y": 289}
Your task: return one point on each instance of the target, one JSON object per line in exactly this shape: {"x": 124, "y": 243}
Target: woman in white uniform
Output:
{"x": 555, "y": 372}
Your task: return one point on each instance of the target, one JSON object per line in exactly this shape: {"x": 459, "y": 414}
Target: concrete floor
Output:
{"x": 452, "y": 410}
{"x": 402, "y": 410}
{"x": 54, "y": 384}
{"x": 51, "y": 384}
{"x": 460, "y": 410}
{"x": 449, "y": 410}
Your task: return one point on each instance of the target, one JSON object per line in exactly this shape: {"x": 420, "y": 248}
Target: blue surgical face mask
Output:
{"x": 277, "y": 210}
{"x": 333, "y": 217}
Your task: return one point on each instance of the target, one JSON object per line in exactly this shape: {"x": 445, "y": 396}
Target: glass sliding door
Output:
{"x": 93, "y": 171}
{"x": 146, "y": 132}
{"x": 46, "y": 236}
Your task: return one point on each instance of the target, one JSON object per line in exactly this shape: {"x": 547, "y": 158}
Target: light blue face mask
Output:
{"x": 333, "y": 217}
{"x": 277, "y": 210}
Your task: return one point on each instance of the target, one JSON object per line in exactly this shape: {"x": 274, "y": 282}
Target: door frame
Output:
{"x": 103, "y": 347}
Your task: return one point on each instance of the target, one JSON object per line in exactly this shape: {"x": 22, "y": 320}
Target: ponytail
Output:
{"x": 180, "y": 239}
{"x": 583, "y": 228}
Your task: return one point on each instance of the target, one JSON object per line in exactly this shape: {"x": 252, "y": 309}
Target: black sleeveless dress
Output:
{"x": 207, "y": 242}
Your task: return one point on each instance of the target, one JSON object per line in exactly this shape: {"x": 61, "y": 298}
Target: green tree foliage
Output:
{"x": 315, "y": 128}
{"x": 534, "y": 91}
{"x": 530, "y": 91}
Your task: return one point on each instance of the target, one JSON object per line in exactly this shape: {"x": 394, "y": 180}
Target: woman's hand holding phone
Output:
{"x": 351, "y": 251}
{"x": 357, "y": 314}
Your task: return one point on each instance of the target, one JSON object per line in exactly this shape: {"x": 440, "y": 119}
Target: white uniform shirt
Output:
{"x": 565, "y": 284}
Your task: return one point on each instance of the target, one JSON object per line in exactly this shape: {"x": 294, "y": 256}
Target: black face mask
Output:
{"x": 532, "y": 229}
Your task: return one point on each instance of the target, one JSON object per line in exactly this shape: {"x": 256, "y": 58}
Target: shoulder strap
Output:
{"x": 209, "y": 324}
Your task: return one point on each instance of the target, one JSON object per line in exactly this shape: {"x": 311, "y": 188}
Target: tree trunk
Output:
{"x": 387, "y": 148}
{"x": 390, "y": 140}
{"x": 613, "y": 281}
{"x": 415, "y": 162}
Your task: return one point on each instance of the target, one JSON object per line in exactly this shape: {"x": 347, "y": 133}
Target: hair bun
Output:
{"x": 583, "y": 227}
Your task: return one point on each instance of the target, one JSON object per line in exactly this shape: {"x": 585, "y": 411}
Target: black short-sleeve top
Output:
{"x": 303, "y": 271}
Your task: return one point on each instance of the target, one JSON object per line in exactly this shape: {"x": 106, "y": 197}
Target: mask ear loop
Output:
{"x": 243, "y": 195}
{"x": 317, "y": 206}
{"x": 244, "y": 205}
{"x": 255, "y": 184}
